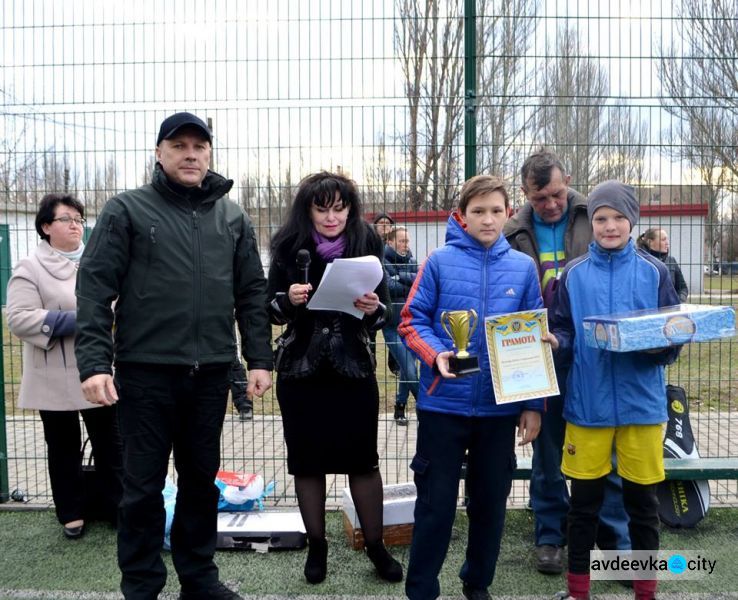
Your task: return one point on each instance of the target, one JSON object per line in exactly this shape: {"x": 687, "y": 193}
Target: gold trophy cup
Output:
{"x": 459, "y": 325}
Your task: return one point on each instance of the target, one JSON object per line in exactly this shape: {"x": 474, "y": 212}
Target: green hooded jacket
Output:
{"x": 176, "y": 269}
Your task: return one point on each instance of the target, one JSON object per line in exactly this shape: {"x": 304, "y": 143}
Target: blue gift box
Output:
{"x": 659, "y": 328}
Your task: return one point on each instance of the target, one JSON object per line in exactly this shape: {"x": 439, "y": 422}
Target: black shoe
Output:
{"x": 74, "y": 533}
{"x": 217, "y": 591}
{"x": 387, "y": 567}
{"x": 246, "y": 414}
{"x": 316, "y": 565}
{"x": 400, "y": 415}
{"x": 472, "y": 593}
{"x": 550, "y": 559}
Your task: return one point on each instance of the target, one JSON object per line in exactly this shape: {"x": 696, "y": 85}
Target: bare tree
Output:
{"x": 250, "y": 190}
{"x": 700, "y": 82}
{"x": 571, "y": 110}
{"x": 412, "y": 42}
{"x": 104, "y": 185}
{"x": 148, "y": 172}
{"x": 505, "y": 31}
{"x": 17, "y": 168}
{"x": 729, "y": 241}
{"x": 596, "y": 141}
{"x": 624, "y": 149}
{"x": 700, "y": 90}
{"x": 379, "y": 175}
{"x": 428, "y": 39}
{"x": 40, "y": 173}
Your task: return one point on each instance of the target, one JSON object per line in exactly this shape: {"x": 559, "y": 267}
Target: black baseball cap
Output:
{"x": 170, "y": 125}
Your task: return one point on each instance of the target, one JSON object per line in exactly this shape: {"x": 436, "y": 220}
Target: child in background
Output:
{"x": 612, "y": 398}
{"x": 476, "y": 269}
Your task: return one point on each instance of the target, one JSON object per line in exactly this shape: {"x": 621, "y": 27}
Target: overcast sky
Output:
{"x": 304, "y": 83}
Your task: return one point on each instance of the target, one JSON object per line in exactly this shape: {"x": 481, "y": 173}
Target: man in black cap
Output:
{"x": 181, "y": 261}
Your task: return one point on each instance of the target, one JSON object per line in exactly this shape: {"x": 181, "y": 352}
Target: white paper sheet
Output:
{"x": 345, "y": 280}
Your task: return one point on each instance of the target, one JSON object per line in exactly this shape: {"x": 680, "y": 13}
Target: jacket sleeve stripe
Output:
{"x": 410, "y": 316}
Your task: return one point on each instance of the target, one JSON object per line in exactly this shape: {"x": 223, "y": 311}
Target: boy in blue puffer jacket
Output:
{"x": 612, "y": 398}
{"x": 476, "y": 269}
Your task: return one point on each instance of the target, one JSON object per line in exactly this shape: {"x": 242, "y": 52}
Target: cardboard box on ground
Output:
{"x": 399, "y": 505}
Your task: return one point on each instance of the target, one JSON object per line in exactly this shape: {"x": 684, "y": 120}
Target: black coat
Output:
{"x": 312, "y": 337}
{"x": 677, "y": 278}
{"x": 401, "y": 272}
{"x": 178, "y": 275}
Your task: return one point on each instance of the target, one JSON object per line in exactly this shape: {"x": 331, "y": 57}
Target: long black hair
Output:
{"x": 322, "y": 189}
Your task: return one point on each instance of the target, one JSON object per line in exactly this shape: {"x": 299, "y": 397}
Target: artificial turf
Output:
{"x": 35, "y": 556}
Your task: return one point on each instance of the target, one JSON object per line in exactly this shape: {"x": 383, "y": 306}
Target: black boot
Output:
{"x": 316, "y": 565}
{"x": 400, "y": 414}
{"x": 387, "y": 567}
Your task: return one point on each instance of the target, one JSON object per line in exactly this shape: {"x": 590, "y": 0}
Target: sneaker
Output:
{"x": 217, "y": 591}
{"x": 246, "y": 414}
{"x": 400, "y": 417}
{"x": 472, "y": 593}
{"x": 549, "y": 559}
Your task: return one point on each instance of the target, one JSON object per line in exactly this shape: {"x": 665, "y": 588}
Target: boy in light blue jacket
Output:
{"x": 613, "y": 398}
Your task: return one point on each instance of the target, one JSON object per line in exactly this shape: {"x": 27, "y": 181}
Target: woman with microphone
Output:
{"x": 326, "y": 384}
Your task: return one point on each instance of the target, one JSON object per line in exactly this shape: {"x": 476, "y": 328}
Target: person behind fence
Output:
{"x": 383, "y": 224}
{"x": 401, "y": 269}
{"x": 612, "y": 398}
{"x": 41, "y": 311}
{"x": 326, "y": 383}
{"x": 182, "y": 261}
{"x": 457, "y": 416}
{"x": 655, "y": 241}
{"x": 552, "y": 228}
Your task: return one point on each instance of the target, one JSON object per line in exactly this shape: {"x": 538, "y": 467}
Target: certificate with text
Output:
{"x": 521, "y": 363}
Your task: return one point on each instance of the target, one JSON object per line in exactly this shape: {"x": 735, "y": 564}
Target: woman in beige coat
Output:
{"x": 41, "y": 311}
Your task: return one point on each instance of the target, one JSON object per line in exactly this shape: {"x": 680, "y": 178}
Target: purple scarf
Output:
{"x": 327, "y": 248}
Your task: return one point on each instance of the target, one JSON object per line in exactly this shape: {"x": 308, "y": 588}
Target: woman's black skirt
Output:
{"x": 330, "y": 422}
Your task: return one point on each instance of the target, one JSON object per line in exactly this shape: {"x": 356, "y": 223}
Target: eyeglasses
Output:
{"x": 67, "y": 220}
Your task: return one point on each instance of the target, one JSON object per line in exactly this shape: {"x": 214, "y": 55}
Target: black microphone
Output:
{"x": 303, "y": 263}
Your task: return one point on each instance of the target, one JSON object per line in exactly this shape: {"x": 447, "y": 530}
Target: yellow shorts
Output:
{"x": 639, "y": 451}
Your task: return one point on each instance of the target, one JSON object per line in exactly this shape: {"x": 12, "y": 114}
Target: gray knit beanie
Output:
{"x": 616, "y": 195}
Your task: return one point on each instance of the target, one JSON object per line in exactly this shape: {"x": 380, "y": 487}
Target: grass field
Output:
{"x": 723, "y": 283}
{"x": 35, "y": 556}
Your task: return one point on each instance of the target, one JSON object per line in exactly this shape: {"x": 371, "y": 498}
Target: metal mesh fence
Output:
{"x": 642, "y": 92}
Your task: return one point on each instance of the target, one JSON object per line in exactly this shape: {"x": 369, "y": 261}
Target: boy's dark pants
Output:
{"x": 441, "y": 446}
{"x": 587, "y": 495}
{"x": 164, "y": 407}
